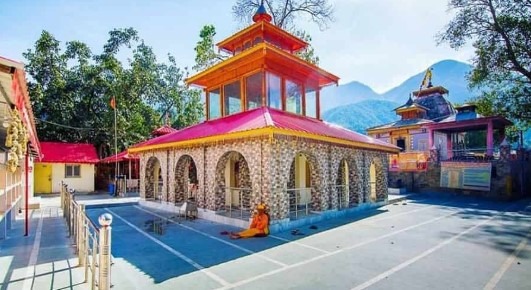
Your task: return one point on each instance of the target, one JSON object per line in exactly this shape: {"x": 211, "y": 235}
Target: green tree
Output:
{"x": 71, "y": 91}
{"x": 205, "y": 53}
{"x": 500, "y": 32}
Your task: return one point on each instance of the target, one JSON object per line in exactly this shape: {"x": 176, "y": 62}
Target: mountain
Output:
{"x": 362, "y": 115}
{"x": 346, "y": 94}
{"x": 448, "y": 73}
{"x": 357, "y": 107}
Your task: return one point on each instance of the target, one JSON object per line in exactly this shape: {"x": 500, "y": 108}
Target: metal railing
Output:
{"x": 342, "y": 194}
{"x": 93, "y": 244}
{"x": 158, "y": 191}
{"x": 238, "y": 202}
{"x": 473, "y": 154}
{"x": 133, "y": 186}
{"x": 299, "y": 200}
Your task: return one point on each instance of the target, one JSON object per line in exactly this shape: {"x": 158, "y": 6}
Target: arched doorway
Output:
{"x": 302, "y": 185}
{"x": 372, "y": 182}
{"x": 186, "y": 182}
{"x": 153, "y": 181}
{"x": 342, "y": 185}
{"x": 233, "y": 185}
{"x": 376, "y": 181}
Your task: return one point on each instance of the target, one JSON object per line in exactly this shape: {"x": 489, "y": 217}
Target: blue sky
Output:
{"x": 377, "y": 42}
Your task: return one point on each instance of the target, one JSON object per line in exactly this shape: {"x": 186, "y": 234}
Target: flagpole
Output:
{"x": 115, "y": 151}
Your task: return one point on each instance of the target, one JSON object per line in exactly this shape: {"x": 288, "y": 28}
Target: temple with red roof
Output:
{"x": 263, "y": 139}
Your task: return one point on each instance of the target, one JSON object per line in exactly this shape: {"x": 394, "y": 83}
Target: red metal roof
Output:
{"x": 59, "y": 152}
{"x": 163, "y": 130}
{"x": 261, "y": 118}
{"x": 122, "y": 156}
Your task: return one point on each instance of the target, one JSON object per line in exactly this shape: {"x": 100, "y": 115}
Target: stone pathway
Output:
{"x": 45, "y": 258}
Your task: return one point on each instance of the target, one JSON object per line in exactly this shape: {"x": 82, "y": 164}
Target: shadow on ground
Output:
{"x": 135, "y": 233}
{"x": 159, "y": 247}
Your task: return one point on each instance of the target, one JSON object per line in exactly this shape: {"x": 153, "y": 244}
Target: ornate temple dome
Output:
{"x": 434, "y": 100}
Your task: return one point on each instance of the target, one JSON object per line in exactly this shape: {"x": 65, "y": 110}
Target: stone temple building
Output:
{"x": 263, "y": 140}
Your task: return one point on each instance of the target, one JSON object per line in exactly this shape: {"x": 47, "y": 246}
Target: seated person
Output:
{"x": 259, "y": 226}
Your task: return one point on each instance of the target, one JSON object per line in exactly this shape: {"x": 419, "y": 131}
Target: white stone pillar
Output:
{"x": 104, "y": 280}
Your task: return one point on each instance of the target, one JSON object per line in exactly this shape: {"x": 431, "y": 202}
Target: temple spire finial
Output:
{"x": 261, "y": 14}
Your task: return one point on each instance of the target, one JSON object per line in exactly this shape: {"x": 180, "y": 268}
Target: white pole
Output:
{"x": 104, "y": 281}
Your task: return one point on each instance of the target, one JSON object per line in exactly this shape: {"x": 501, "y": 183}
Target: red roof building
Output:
{"x": 122, "y": 156}
{"x": 263, "y": 139}
{"x": 70, "y": 163}
{"x": 255, "y": 122}
{"x": 166, "y": 129}
{"x": 59, "y": 152}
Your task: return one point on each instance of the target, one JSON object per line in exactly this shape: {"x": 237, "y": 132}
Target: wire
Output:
{"x": 65, "y": 126}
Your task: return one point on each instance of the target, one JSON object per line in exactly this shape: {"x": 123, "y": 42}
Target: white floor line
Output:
{"x": 372, "y": 221}
{"x": 407, "y": 212}
{"x": 214, "y": 238}
{"x": 399, "y": 231}
{"x": 507, "y": 264}
{"x": 30, "y": 271}
{"x": 300, "y": 244}
{"x": 173, "y": 251}
{"x": 302, "y": 263}
{"x": 403, "y": 265}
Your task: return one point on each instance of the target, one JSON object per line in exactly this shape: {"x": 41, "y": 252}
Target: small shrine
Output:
{"x": 263, "y": 140}
{"x": 430, "y": 127}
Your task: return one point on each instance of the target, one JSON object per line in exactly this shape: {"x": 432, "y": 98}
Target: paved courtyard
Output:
{"x": 435, "y": 243}
{"x": 426, "y": 242}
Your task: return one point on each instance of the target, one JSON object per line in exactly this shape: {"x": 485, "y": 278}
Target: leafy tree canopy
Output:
{"x": 500, "y": 32}
{"x": 71, "y": 90}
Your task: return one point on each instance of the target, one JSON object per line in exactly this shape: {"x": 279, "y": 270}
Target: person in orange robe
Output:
{"x": 259, "y": 225}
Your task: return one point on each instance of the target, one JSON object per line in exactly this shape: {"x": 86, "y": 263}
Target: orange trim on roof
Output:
{"x": 269, "y": 54}
{"x": 267, "y": 132}
{"x": 253, "y": 30}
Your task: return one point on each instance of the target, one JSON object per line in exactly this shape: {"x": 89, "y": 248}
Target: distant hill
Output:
{"x": 361, "y": 115}
{"x": 448, "y": 73}
{"x": 350, "y": 93}
{"x": 357, "y": 107}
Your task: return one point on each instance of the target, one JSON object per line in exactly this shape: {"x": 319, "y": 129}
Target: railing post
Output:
{"x": 241, "y": 203}
{"x": 230, "y": 203}
{"x": 306, "y": 203}
{"x": 104, "y": 280}
{"x": 93, "y": 264}
{"x": 82, "y": 239}
{"x": 68, "y": 216}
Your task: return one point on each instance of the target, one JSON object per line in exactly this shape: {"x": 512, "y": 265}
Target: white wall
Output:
{"x": 85, "y": 183}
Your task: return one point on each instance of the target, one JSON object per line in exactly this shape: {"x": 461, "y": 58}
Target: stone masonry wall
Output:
{"x": 147, "y": 179}
{"x": 265, "y": 168}
{"x": 505, "y": 176}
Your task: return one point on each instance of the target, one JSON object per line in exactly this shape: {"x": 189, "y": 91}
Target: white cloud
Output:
{"x": 381, "y": 43}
